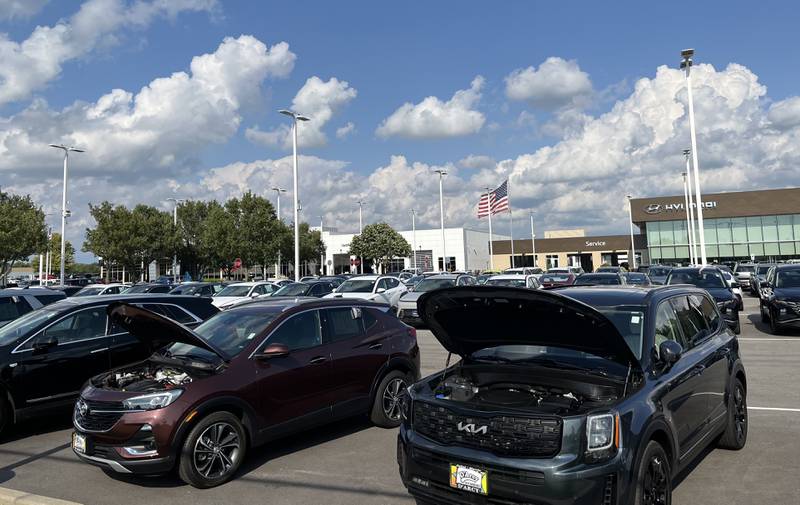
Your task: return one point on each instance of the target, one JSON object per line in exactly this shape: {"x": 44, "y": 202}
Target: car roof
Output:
{"x": 600, "y": 274}
{"x": 368, "y": 277}
{"x": 290, "y": 303}
{"x": 510, "y": 276}
{"x": 110, "y": 284}
{"x": 694, "y": 269}
{"x": 248, "y": 283}
{"x": 787, "y": 266}
{"x": 143, "y": 297}
{"x": 599, "y": 296}
{"x": 33, "y": 291}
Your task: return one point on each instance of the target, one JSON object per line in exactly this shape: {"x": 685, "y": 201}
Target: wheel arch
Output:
{"x": 239, "y": 408}
{"x": 659, "y": 431}
{"x": 400, "y": 363}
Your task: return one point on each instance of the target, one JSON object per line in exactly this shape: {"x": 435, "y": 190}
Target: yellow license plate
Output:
{"x": 469, "y": 479}
{"x": 79, "y": 443}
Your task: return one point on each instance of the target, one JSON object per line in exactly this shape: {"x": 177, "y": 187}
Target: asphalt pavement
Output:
{"x": 351, "y": 462}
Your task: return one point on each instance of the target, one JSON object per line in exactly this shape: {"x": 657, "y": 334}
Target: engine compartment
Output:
{"x": 554, "y": 393}
{"x": 148, "y": 377}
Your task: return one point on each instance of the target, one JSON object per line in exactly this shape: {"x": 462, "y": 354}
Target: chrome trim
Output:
{"x": 52, "y": 397}
{"x": 103, "y": 349}
{"x": 116, "y": 466}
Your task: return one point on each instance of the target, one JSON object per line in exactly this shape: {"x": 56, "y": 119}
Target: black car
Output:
{"x": 68, "y": 290}
{"x": 316, "y": 289}
{"x": 587, "y": 396}
{"x": 154, "y": 287}
{"x": 712, "y": 280}
{"x": 658, "y": 274}
{"x": 601, "y": 279}
{"x": 780, "y": 298}
{"x": 759, "y": 276}
{"x": 204, "y": 289}
{"x": 46, "y": 355}
{"x": 637, "y": 278}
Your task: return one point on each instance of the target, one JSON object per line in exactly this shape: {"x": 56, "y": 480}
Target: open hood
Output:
{"x": 155, "y": 330}
{"x": 469, "y": 318}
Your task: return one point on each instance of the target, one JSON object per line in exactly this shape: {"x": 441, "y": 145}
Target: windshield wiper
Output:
{"x": 494, "y": 359}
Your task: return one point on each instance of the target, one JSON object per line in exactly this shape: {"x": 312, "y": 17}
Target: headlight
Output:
{"x": 600, "y": 432}
{"x": 152, "y": 401}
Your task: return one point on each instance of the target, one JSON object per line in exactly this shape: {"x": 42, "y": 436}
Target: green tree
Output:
{"x": 22, "y": 230}
{"x": 54, "y": 246}
{"x": 381, "y": 243}
{"x": 191, "y": 248}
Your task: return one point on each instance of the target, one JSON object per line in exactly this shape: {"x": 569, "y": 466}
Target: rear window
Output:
{"x": 555, "y": 278}
{"x": 706, "y": 279}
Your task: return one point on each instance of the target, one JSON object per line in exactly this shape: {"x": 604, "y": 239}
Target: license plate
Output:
{"x": 469, "y": 479}
{"x": 79, "y": 443}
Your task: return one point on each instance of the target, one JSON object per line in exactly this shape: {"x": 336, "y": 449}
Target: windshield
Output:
{"x": 763, "y": 269}
{"x": 141, "y": 288}
{"x": 356, "y": 286}
{"x": 636, "y": 278}
{"x": 514, "y": 283}
{"x": 788, "y": 279}
{"x": 745, "y": 268}
{"x": 230, "y": 331}
{"x": 594, "y": 280}
{"x": 89, "y": 292}
{"x": 191, "y": 290}
{"x": 293, "y": 289}
{"x": 659, "y": 271}
{"x": 555, "y": 278}
{"x": 430, "y": 284}
{"x": 705, "y": 279}
{"x": 22, "y": 326}
{"x": 234, "y": 291}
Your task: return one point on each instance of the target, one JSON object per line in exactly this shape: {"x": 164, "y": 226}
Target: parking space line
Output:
{"x": 773, "y": 409}
{"x": 768, "y": 339}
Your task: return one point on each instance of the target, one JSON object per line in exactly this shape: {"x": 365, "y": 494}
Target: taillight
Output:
{"x": 412, "y": 332}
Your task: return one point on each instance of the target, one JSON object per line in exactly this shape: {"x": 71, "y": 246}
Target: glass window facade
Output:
{"x": 761, "y": 237}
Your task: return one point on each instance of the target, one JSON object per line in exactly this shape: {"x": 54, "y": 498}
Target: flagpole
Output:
{"x": 489, "y": 202}
{"x": 510, "y": 220}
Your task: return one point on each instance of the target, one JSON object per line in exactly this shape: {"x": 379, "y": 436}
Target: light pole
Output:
{"x": 690, "y": 211}
{"x": 64, "y": 212}
{"x": 414, "y": 239}
{"x": 296, "y": 197}
{"x": 533, "y": 241}
{"x": 686, "y": 64}
{"x": 689, "y": 219}
{"x": 278, "y": 190}
{"x": 176, "y": 202}
{"x": 442, "y": 173}
{"x": 489, "y": 204}
{"x": 360, "y": 229}
{"x": 321, "y": 254}
{"x": 633, "y": 246}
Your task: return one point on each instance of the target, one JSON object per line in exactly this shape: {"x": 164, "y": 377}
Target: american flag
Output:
{"x": 496, "y": 200}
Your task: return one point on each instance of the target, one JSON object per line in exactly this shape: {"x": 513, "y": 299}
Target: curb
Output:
{"x": 14, "y": 497}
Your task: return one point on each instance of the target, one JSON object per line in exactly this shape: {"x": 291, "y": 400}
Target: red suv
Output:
{"x": 250, "y": 374}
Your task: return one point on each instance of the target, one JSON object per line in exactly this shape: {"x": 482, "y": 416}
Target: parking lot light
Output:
{"x": 442, "y": 172}
{"x": 414, "y": 239}
{"x": 686, "y": 65}
{"x": 361, "y": 204}
{"x": 687, "y": 188}
{"x": 278, "y": 190}
{"x": 176, "y": 201}
{"x": 64, "y": 212}
{"x": 296, "y": 197}
{"x": 633, "y": 246}
{"x": 533, "y": 242}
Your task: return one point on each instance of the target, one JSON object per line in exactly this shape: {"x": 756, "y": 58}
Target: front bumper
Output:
{"x": 425, "y": 471}
{"x": 110, "y": 457}
{"x": 786, "y": 314}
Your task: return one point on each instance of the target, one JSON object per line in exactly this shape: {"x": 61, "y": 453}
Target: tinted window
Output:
{"x": 690, "y": 318}
{"x": 667, "y": 326}
{"x": 706, "y": 278}
{"x": 82, "y": 325}
{"x": 788, "y": 279}
{"x": 343, "y": 323}
{"x": 383, "y": 284}
{"x": 160, "y": 289}
{"x": 48, "y": 299}
{"x": 708, "y": 309}
{"x": 230, "y": 331}
{"x": 293, "y": 289}
{"x": 11, "y": 307}
{"x": 298, "y": 332}
{"x": 177, "y": 314}
{"x": 114, "y": 290}
{"x": 369, "y": 318}
{"x": 356, "y": 286}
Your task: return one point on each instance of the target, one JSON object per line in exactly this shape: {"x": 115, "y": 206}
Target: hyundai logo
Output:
{"x": 472, "y": 429}
{"x": 654, "y": 208}
{"x": 83, "y": 409}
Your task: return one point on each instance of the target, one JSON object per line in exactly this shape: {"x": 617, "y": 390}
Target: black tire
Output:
{"x": 386, "y": 403}
{"x": 213, "y": 450}
{"x": 653, "y": 479}
{"x": 735, "y": 435}
{"x": 738, "y": 328}
{"x": 6, "y": 415}
{"x": 764, "y": 317}
{"x": 773, "y": 325}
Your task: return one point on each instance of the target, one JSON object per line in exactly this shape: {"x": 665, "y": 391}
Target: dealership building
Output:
{"x": 748, "y": 225}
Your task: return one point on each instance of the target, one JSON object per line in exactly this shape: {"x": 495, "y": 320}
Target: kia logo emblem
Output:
{"x": 654, "y": 208}
{"x": 472, "y": 429}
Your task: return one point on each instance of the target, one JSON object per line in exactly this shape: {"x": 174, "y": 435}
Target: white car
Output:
{"x": 375, "y": 288}
{"x": 536, "y": 271}
{"x": 530, "y": 281}
{"x": 102, "y": 289}
{"x": 734, "y": 285}
{"x": 241, "y": 291}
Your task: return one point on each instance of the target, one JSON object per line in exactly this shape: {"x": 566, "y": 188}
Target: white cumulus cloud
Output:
{"x": 317, "y": 99}
{"x": 434, "y": 118}
{"x": 27, "y": 66}
{"x": 346, "y": 130}
{"x": 20, "y": 9}
{"x": 556, "y": 83}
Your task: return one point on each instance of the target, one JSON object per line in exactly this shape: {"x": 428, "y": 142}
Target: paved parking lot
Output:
{"x": 353, "y": 463}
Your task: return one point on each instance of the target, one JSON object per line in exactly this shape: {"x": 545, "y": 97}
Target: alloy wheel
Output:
{"x": 655, "y": 484}
{"x": 391, "y": 398}
{"x": 216, "y": 450}
{"x": 740, "y": 412}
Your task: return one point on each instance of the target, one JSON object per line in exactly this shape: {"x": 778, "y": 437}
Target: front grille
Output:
{"x": 505, "y": 435}
{"x": 500, "y": 475}
{"x": 99, "y": 416}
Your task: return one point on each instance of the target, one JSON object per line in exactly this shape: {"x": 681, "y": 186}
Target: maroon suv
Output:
{"x": 253, "y": 373}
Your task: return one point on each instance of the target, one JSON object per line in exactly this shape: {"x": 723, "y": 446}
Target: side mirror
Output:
{"x": 274, "y": 351}
{"x": 670, "y": 352}
{"x": 44, "y": 343}
{"x": 381, "y": 290}
{"x": 254, "y": 295}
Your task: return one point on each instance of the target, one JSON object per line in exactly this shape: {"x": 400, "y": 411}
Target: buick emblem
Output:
{"x": 654, "y": 208}
{"x": 83, "y": 409}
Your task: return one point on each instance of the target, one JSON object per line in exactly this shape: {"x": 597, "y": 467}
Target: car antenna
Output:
{"x": 627, "y": 378}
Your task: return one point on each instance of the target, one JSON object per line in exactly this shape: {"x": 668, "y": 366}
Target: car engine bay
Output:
{"x": 147, "y": 377}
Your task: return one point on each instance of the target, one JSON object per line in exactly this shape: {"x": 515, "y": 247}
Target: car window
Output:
{"x": 382, "y": 284}
{"x": 81, "y": 325}
{"x": 532, "y": 282}
{"x": 48, "y": 299}
{"x": 393, "y": 283}
{"x": 787, "y": 279}
{"x": 666, "y": 326}
{"x": 691, "y": 320}
{"x": 316, "y": 290}
{"x": 11, "y": 307}
{"x": 113, "y": 290}
{"x": 369, "y": 318}
{"x": 176, "y": 313}
{"x": 708, "y": 309}
{"x": 343, "y": 323}
{"x": 301, "y": 331}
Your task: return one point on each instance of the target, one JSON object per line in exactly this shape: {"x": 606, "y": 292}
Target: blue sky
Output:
{"x": 391, "y": 54}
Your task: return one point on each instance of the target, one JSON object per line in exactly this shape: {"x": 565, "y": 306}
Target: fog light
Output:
{"x": 140, "y": 451}
{"x": 146, "y": 427}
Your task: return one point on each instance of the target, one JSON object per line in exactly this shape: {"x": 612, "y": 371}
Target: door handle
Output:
{"x": 376, "y": 345}
{"x": 318, "y": 360}
{"x": 99, "y": 350}
{"x": 698, "y": 370}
